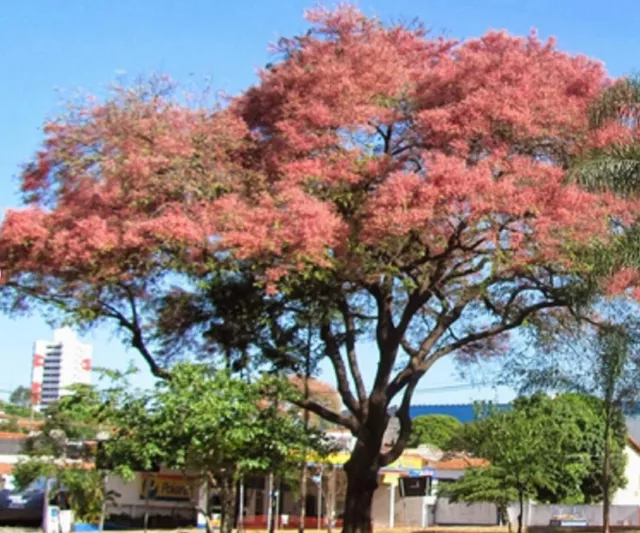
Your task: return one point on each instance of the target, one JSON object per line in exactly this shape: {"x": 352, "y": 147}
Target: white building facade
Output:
{"x": 58, "y": 364}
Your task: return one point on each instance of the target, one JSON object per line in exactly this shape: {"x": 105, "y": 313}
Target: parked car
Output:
{"x": 25, "y": 508}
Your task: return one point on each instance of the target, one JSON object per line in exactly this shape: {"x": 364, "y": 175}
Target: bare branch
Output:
{"x": 410, "y": 350}
{"x": 497, "y": 329}
{"x": 422, "y": 356}
{"x": 456, "y": 274}
{"x": 108, "y": 311}
{"x": 417, "y": 361}
{"x": 386, "y": 136}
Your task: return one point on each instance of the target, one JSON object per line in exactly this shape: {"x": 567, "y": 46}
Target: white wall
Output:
{"x": 630, "y": 495}
{"x": 381, "y": 504}
{"x": 11, "y": 459}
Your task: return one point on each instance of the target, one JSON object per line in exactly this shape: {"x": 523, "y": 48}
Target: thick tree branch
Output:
{"x": 350, "y": 329}
{"x": 420, "y": 296}
{"x": 386, "y": 136}
{"x": 405, "y": 422}
{"x": 406, "y": 346}
{"x": 417, "y": 299}
{"x": 137, "y": 338}
{"x": 387, "y": 339}
{"x": 349, "y": 422}
{"x": 444, "y": 322}
{"x": 109, "y": 311}
{"x": 383, "y": 297}
{"x": 332, "y": 350}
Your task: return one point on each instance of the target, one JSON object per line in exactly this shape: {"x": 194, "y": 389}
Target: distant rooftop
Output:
{"x": 463, "y": 412}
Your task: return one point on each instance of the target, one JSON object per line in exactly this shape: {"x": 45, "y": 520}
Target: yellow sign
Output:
{"x": 408, "y": 462}
{"x": 339, "y": 458}
{"x": 215, "y": 522}
{"x": 166, "y": 487}
{"x": 405, "y": 462}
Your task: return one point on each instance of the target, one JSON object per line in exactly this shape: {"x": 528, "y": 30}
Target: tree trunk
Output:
{"x": 303, "y": 498}
{"x": 503, "y": 509}
{"x": 303, "y": 469}
{"x": 362, "y": 481}
{"x": 606, "y": 478}
{"x": 103, "y": 506}
{"x": 207, "y": 506}
{"x": 520, "y": 510}
{"x": 331, "y": 500}
{"x": 227, "y": 494}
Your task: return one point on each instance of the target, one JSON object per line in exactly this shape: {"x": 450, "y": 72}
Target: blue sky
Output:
{"x": 49, "y": 50}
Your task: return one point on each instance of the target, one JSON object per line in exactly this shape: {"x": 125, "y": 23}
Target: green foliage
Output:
{"x": 524, "y": 452}
{"x": 521, "y": 451}
{"x": 15, "y": 410}
{"x": 436, "y": 430}
{"x": 584, "y": 417}
{"x": 59, "y": 452}
{"x": 21, "y": 397}
{"x": 549, "y": 449}
{"x": 481, "y": 485}
{"x": 212, "y": 422}
{"x": 85, "y": 488}
{"x": 209, "y": 423}
{"x": 67, "y": 420}
{"x": 27, "y": 471}
{"x": 615, "y": 167}
{"x": 617, "y": 102}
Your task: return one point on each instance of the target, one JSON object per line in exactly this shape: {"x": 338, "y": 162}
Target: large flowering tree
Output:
{"x": 376, "y": 183}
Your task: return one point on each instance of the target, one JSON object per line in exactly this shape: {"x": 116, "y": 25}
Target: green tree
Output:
{"x": 213, "y": 424}
{"x": 67, "y": 424}
{"x": 21, "y": 396}
{"x": 83, "y": 486}
{"x": 433, "y": 429}
{"x": 598, "y": 357}
{"x": 584, "y": 416}
{"x": 59, "y": 451}
{"x": 613, "y": 355}
{"x": 614, "y": 166}
{"x": 526, "y": 455}
{"x": 14, "y": 410}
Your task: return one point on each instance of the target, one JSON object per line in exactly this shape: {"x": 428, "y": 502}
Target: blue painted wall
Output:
{"x": 463, "y": 412}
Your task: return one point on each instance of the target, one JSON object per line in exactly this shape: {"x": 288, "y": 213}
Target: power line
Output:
{"x": 459, "y": 386}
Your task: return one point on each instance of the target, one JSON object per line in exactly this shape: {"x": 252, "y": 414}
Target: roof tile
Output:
{"x": 12, "y": 435}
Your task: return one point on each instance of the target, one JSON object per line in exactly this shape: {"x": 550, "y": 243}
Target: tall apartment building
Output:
{"x": 58, "y": 364}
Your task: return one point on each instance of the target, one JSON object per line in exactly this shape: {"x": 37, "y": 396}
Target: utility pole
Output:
{"x": 305, "y": 413}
